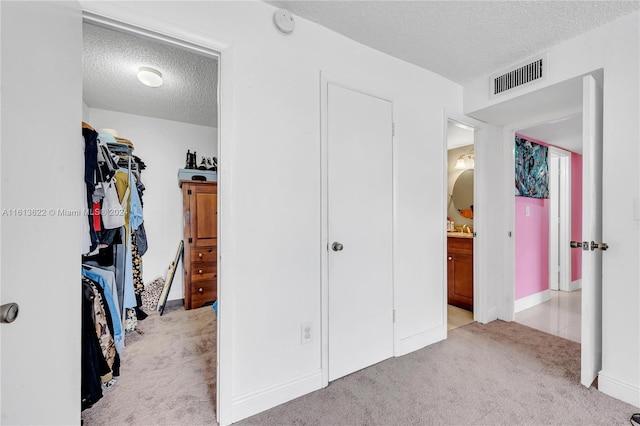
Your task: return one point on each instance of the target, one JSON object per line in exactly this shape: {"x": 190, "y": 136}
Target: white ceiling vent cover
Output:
{"x": 532, "y": 71}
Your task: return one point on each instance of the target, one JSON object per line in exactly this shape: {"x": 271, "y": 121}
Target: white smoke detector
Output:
{"x": 284, "y": 22}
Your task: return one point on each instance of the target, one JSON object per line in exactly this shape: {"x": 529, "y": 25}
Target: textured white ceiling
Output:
{"x": 460, "y": 40}
{"x": 111, "y": 60}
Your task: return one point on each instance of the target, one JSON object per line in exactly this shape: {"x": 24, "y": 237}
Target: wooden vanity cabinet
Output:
{"x": 460, "y": 272}
{"x": 200, "y": 217}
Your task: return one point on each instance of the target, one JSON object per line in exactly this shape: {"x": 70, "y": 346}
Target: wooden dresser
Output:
{"x": 460, "y": 272}
{"x": 200, "y": 214}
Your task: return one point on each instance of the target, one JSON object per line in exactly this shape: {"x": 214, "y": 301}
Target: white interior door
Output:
{"x": 591, "y": 231}
{"x": 359, "y": 145}
{"x": 40, "y": 254}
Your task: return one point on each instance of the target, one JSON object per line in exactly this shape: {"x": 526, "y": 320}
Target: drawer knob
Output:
{"x": 199, "y": 271}
{"x": 200, "y": 290}
{"x": 450, "y": 258}
{"x": 199, "y": 254}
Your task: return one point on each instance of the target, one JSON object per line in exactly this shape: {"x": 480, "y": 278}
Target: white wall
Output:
{"x": 615, "y": 48}
{"x": 271, "y": 261}
{"x": 85, "y": 112}
{"x": 162, "y": 145}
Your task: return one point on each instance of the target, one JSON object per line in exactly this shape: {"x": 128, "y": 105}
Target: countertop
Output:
{"x": 458, "y": 234}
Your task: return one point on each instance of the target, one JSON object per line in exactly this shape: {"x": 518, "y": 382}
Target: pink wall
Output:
{"x": 576, "y": 214}
{"x": 532, "y": 235}
{"x": 532, "y": 246}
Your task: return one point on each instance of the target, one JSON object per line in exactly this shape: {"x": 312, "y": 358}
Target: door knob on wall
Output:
{"x": 8, "y": 312}
{"x": 337, "y": 246}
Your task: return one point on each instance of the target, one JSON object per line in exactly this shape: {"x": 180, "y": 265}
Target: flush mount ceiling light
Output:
{"x": 150, "y": 77}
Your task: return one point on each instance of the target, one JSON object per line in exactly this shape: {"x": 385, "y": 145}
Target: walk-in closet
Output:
{"x": 150, "y": 129}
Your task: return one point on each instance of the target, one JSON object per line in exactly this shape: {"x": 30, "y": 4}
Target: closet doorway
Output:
{"x": 169, "y": 357}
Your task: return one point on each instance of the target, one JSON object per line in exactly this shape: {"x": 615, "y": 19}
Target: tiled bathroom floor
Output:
{"x": 457, "y": 317}
{"x": 561, "y": 315}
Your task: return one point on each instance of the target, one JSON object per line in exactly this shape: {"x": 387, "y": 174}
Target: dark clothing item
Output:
{"x": 93, "y": 363}
{"x": 141, "y": 239}
{"x": 104, "y": 257}
{"x": 90, "y": 166}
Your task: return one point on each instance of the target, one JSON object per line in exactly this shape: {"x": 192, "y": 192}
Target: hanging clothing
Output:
{"x": 90, "y": 166}
{"x": 85, "y": 231}
{"x": 106, "y": 279}
{"x": 138, "y": 283}
{"x": 93, "y": 363}
{"x": 105, "y": 338}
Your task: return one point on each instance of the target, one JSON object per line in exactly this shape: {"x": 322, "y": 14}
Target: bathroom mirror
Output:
{"x": 463, "y": 194}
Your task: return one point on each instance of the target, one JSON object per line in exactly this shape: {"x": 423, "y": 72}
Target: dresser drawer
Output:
{"x": 203, "y": 292}
{"x": 204, "y": 254}
{"x": 201, "y": 271}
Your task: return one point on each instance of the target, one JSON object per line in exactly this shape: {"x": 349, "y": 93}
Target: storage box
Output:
{"x": 188, "y": 174}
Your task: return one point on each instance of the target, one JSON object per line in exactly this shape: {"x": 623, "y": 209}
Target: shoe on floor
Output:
{"x": 635, "y": 419}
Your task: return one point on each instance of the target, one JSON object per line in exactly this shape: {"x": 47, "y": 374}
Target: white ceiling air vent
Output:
{"x": 532, "y": 71}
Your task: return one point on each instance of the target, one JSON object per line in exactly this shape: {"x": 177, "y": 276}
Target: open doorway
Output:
{"x": 582, "y": 94}
{"x": 460, "y": 223}
{"x": 547, "y": 275}
{"x": 169, "y": 357}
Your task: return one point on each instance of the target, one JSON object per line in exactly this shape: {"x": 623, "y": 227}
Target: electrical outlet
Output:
{"x": 306, "y": 333}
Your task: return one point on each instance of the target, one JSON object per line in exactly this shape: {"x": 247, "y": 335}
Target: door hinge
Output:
{"x": 189, "y": 192}
{"x": 393, "y": 129}
{"x": 190, "y": 240}
{"x": 394, "y": 315}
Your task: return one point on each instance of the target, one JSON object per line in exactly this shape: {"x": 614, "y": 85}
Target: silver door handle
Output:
{"x": 583, "y": 244}
{"x": 8, "y": 312}
{"x": 337, "y": 246}
{"x": 601, "y": 246}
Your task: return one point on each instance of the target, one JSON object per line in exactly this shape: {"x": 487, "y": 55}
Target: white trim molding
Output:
{"x": 254, "y": 402}
{"x": 420, "y": 340}
{"x": 559, "y": 236}
{"x": 575, "y": 285}
{"x": 531, "y": 300}
{"x": 618, "y": 389}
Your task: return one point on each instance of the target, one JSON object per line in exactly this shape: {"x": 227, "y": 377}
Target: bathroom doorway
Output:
{"x": 460, "y": 162}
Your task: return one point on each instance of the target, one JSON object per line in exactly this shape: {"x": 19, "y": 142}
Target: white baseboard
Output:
{"x": 421, "y": 340}
{"x": 531, "y": 300}
{"x": 491, "y": 315}
{"x": 254, "y": 402}
{"x": 575, "y": 285}
{"x": 618, "y": 389}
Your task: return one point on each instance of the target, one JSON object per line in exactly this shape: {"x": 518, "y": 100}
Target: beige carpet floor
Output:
{"x": 168, "y": 374}
{"x": 494, "y": 374}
